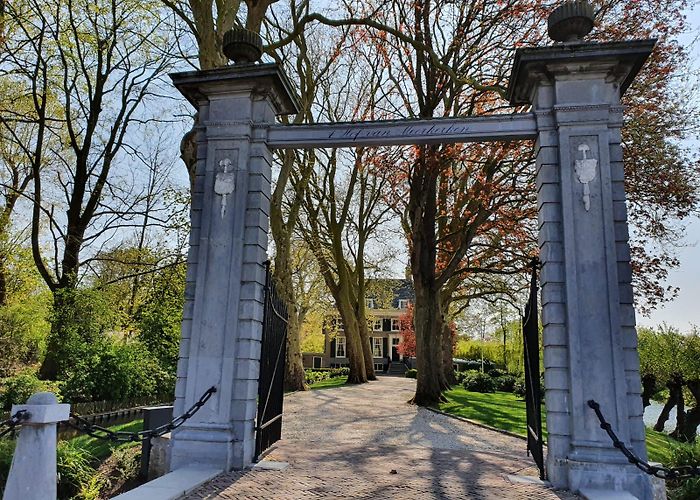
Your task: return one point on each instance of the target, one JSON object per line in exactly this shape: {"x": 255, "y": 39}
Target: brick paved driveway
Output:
{"x": 366, "y": 442}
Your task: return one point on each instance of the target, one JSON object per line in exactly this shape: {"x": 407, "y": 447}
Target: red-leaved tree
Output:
{"x": 407, "y": 347}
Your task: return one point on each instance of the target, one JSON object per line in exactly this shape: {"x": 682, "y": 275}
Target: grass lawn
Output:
{"x": 101, "y": 449}
{"x": 506, "y": 411}
{"x": 329, "y": 383}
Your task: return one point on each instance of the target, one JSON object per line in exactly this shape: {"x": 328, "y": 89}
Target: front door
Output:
{"x": 395, "y": 349}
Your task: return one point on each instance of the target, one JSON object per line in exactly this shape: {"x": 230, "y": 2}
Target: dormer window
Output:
{"x": 403, "y": 303}
{"x": 369, "y": 303}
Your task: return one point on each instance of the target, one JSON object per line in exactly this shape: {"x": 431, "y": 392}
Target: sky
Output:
{"x": 684, "y": 311}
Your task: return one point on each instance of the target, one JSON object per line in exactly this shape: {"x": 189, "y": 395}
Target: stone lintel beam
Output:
{"x": 508, "y": 127}
{"x": 621, "y": 61}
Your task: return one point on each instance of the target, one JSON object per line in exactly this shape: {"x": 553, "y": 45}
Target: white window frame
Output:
{"x": 377, "y": 327}
{"x": 370, "y": 303}
{"x": 404, "y": 303}
{"x": 377, "y": 347}
{"x": 397, "y": 323}
{"x": 338, "y": 342}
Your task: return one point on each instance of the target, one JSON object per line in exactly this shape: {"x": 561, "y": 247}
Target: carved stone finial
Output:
{"x": 242, "y": 45}
{"x": 570, "y": 21}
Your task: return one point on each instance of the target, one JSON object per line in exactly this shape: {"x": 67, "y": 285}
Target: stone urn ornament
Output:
{"x": 571, "y": 21}
{"x": 242, "y": 46}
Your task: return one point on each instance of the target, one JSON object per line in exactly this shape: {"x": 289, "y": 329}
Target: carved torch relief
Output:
{"x": 225, "y": 182}
{"x": 585, "y": 168}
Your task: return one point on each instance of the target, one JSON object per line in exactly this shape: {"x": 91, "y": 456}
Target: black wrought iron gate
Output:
{"x": 533, "y": 392}
{"x": 273, "y": 356}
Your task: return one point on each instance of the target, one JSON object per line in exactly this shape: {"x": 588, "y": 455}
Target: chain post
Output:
{"x": 82, "y": 425}
{"x": 665, "y": 473}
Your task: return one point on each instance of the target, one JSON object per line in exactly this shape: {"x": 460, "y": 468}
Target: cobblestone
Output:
{"x": 367, "y": 442}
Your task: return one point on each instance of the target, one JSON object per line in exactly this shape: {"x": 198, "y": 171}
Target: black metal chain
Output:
{"x": 99, "y": 432}
{"x": 13, "y": 422}
{"x": 683, "y": 472}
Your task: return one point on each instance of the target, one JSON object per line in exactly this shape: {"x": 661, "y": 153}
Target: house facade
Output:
{"x": 384, "y": 311}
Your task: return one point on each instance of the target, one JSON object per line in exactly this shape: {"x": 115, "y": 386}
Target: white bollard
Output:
{"x": 33, "y": 471}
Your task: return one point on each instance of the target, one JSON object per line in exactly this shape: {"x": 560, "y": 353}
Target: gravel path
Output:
{"x": 367, "y": 442}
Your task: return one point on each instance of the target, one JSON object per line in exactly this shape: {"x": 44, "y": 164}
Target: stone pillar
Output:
{"x": 33, "y": 471}
{"x": 590, "y": 341}
{"x": 222, "y": 320}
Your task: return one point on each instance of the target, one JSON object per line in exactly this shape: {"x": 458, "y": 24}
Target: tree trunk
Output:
{"x": 692, "y": 417}
{"x": 428, "y": 349}
{"x": 367, "y": 351}
{"x": 3, "y": 279}
{"x": 353, "y": 341}
{"x": 355, "y": 354}
{"x": 447, "y": 361}
{"x": 294, "y": 376}
{"x": 680, "y": 417}
{"x": 675, "y": 388}
{"x": 648, "y": 386}
{"x": 422, "y": 209}
{"x": 63, "y": 304}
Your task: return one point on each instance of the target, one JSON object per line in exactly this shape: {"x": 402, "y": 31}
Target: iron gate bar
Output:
{"x": 268, "y": 429}
{"x": 533, "y": 395}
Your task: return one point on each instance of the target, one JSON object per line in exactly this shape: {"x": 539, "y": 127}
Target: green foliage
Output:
{"x": 74, "y": 470}
{"x": 7, "y": 448}
{"x": 685, "y": 454}
{"x": 478, "y": 382}
{"x": 114, "y": 369}
{"x": 519, "y": 386}
{"x": 160, "y": 316}
{"x": 17, "y": 389}
{"x": 101, "y": 449}
{"x": 314, "y": 376}
{"x": 411, "y": 373}
{"x": 24, "y": 322}
{"x": 493, "y": 349}
{"x": 79, "y": 322}
{"x": 94, "y": 363}
{"x": 504, "y": 383}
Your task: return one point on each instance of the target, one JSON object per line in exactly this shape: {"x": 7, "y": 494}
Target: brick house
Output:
{"x": 384, "y": 333}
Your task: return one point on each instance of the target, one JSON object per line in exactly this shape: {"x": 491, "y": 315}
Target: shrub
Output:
{"x": 681, "y": 455}
{"x": 114, "y": 369}
{"x": 505, "y": 383}
{"x": 7, "y": 448}
{"x": 475, "y": 365}
{"x": 519, "y": 387}
{"x": 313, "y": 376}
{"x": 495, "y": 373}
{"x": 74, "y": 470}
{"x": 340, "y": 372}
{"x": 17, "y": 389}
{"x": 478, "y": 382}
{"x": 411, "y": 373}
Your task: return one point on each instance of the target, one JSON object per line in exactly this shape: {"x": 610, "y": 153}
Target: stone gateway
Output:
{"x": 590, "y": 342}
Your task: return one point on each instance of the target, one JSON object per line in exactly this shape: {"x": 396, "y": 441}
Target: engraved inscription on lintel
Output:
{"x": 586, "y": 171}
{"x": 225, "y": 183}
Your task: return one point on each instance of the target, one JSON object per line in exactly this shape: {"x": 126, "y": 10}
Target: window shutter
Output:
{"x": 385, "y": 346}
{"x": 332, "y": 353}
{"x": 386, "y": 324}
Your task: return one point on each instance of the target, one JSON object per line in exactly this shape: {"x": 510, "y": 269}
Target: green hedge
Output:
{"x": 319, "y": 374}
{"x": 478, "y": 382}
